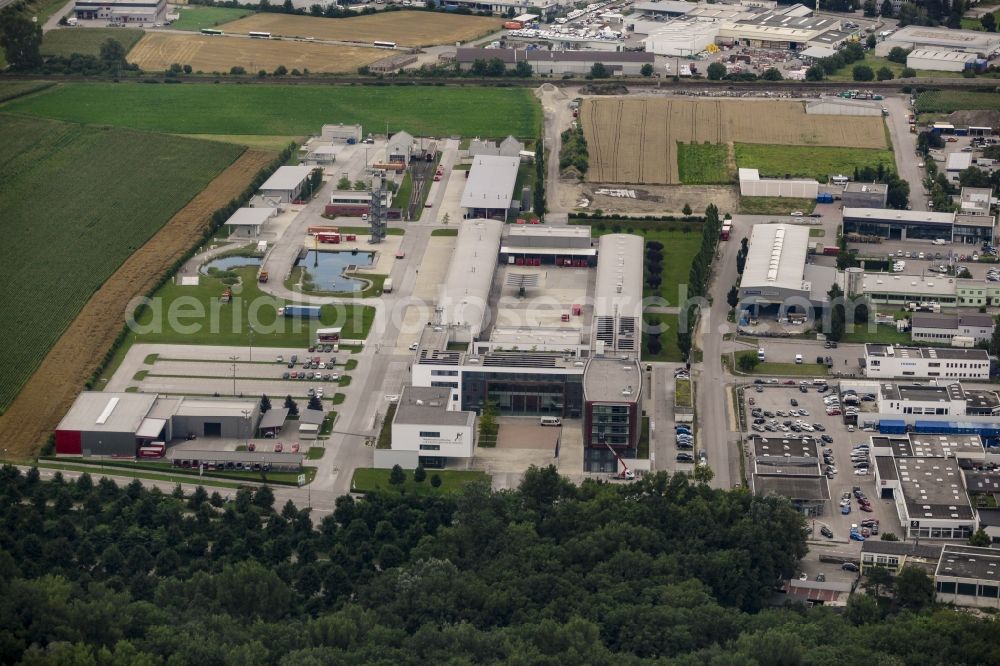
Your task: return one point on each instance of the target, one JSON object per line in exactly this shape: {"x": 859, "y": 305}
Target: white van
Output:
{"x": 760, "y": 354}
{"x": 550, "y": 421}
{"x": 798, "y": 358}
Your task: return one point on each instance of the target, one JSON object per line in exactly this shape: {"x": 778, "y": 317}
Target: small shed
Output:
{"x": 312, "y": 416}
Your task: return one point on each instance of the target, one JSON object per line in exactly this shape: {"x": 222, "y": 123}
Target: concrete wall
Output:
{"x": 386, "y": 458}
{"x": 451, "y": 441}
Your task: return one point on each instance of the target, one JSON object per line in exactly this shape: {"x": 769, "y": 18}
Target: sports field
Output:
{"x": 405, "y": 28}
{"x": 634, "y": 140}
{"x": 196, "y": 17}
{"x": 86, "y": 41}
{"x": 157, "y": 51}
{"x": 290, "y": 110}
{"x": 67, "y": 228}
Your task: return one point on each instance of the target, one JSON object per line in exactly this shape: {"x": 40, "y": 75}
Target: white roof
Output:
{"x": 970, "y": 40}
{"x": 526, "y": 18}
{"x": 219, "y": 408}
{"x": 287, "y": 178}
{"x": 959, "y": 161}
{"x": 777, "y": 257}
{"x": 491, "y": 182}
{"x": 463, "y": 296}
{"x": 150, "y": 428}
{"x": 896, "y": 283}
{"x": 251, "y": 217}
{"x": 945, "y": 56}
{"x": 749, "y": 174}
{"x": 888, "y": 214}
{"x": 618, "y": 291}
{"x": 107, "y": 412}
{"x": 672, "y": 6}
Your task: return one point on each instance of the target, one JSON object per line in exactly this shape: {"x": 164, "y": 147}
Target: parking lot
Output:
{"x": 777, "y": 398}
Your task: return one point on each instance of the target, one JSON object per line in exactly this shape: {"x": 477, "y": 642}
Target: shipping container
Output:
{"x": 831, "y": 250}
{"x": 824, "y": 197}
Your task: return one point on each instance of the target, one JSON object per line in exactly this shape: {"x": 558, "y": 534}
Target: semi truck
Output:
{"x": 304, "y": 311}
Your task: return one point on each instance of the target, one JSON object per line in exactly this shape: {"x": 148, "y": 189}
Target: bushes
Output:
{"x": 574, "y": 151}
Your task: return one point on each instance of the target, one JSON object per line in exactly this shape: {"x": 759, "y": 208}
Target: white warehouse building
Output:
{"x": 888, "y": 361}
{"x": 940, "y": 61}
{"x": 752, "y": 185}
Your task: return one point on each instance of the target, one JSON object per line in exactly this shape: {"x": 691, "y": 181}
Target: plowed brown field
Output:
{"x": 634, "y": 140}
{"x": 158, "y": 50}
{"x": 49, "y": 392}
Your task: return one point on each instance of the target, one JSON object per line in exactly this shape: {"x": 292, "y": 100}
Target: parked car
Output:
{"x": 826, "y": 531}
{"x": 849, "y": 566}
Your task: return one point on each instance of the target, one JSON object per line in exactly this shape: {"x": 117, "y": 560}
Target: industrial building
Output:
{"x": 975, "y": 201}
{"x": 752, "y": 185}
{"x": 248, "y": 221}
{"x": 525, "y": 321}
{"x": 865, "y": 195}
{"x": 557, "y": 63}
{"x": 956, "y": 164}
{"x": 509, "y": 147}
{"x": 898, "y": 224}
{"x": 353, "y": 203}
{"x": 121, "y": 11}
{"x": 968, "y": 576}
{"x": 888, "y": 361}
{"x": 489, "y": 189}
{"x": 914, "y": 37}
{"x": 546, "y": 8}
{"x": 789, "y": 468}
{"x": 940, "y": 61}
{"x": 286, "y": 184}
{"x": 944, "y": 328}
{"x": 839, "y": 106}
{"x": 430, "y": 428}
{"x": 117, "y": 424}
{"x": 400, "y": 147}
{"x": 894, "y": 555}
{"x": 776, "y": 272}
{"x": 680, "y": 38}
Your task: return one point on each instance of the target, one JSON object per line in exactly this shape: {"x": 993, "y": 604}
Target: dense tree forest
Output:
{"x": 661, "y": 571}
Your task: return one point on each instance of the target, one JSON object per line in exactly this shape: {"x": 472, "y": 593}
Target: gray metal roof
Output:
{"x": 925, "y": 550}
{"x": 491, "y": 182}
{"x": 960, "y": 561}
{"x": 776, "y": 258}
{"x": 932, "y": 488}
{"x": 892, "y": 215}
{"x": 223, "y": 407}
{"x": 313, "y": 416}
{"x": 274, "y": 418}
{"x": 618, "y": 290}
{"x": 287, "y": 178}
{"x": 612, "y": 380}
{"x": 463, "y": 295}
{"x": 251, "y": 217}
{"x": 809, "y": 488}
{"x": 429, "y": 406}
{"x": 95, "y": 411}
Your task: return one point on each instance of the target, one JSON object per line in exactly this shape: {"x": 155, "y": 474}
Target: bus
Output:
{"x": 259, "y": 35}
{"x": 384, "y": 45}
{"x": 211, "y": 31}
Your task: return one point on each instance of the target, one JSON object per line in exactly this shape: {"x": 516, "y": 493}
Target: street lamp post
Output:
{"x": 251, "y": 344}
{"x": 234, "y": 359}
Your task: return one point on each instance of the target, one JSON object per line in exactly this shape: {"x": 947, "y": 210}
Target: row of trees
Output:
{"x": 701, "y": 270}
{"x": 652, "y": 572}
{"x": 717, "y": 72}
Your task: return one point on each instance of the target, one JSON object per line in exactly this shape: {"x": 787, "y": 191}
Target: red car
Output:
{"x": 867, "y": 508}
{"x": 437, "y": 179}
{"x": 278, "y": 447}
{"x": 789, "y": 382}
{"x": 295, "y": 447}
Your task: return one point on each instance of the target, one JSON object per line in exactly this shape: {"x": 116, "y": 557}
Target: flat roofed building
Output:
{"x": 968, "y": 576}
{"x": 936, "y": 60}
{"x": 887, "y": 361}
{"x": 924, "y": 37}
{"x": 973, "y": 229}
{"x": 287, "y": 183}
{"x": 865, "y": 195}
{"x": 930, "y": 497}
{"x": 612, "y": 390}
{"x": 428, "y": 422}
{"x": 956, "y": 164}
{"x": 489, "y": 191}
{"x": 618, "y": 294}
{"x": 248, "y": 221}
{"x": 982, "y": 403}
{"x": 682, "y": 38}
{"x": 943, "y": 328}
{"x": 752, "y": 185}
{"x": 899, "y": 289}
{"x": 894, "y": 555}
{"x": 548, "y": 237}
{"x": 462, "y": 299}
{"x": 665, "y": 7}
{"x": 975, "y": 200}
{"x": 785, "y": 456}
{"x": 898, "y": 224}
{"x": 775, "y": 265}
{"x": 922, "y": 399}
{"x": 121, "y": 11}
{"x": 808, "y": 494}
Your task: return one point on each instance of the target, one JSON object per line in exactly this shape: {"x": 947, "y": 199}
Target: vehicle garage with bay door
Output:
{"x": 216, "y": 418}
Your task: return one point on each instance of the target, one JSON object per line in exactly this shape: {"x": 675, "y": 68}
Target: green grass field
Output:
{"x": 846, "y": 73}
{"x": 941, "y": 101}
{"x": 208, "y": 321}
{"x": 976, "y": 24}
{"x": 784, "y": 369}
{"x": 86, "y": 41}
{"x": 197, "y": 17}
{"x": 883, "y": 333}
{"x": 808, "y": 161}
{"x": 66, "y": 228}
{"x": 290, "y": 110}
{"x": 667, "y": 323}
{"x": 775, "y": 205}
{"x": 703, "y": 163}
{"x": 367, "y": 480}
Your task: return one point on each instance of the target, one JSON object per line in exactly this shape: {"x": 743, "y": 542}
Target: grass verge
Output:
{"x": 369, "y": 480}
{"x": 817, "y": 162}
{"x": 667, "y": 325}
{"x": 682, "y": 393}
{"x": 775, "y": 205}
{"x": 782, "y": 369}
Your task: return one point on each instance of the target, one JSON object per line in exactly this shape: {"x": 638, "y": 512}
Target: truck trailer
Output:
{"x": 304, "y": 311}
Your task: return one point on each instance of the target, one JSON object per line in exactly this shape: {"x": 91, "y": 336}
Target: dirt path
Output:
{"x": 50, "y": 391}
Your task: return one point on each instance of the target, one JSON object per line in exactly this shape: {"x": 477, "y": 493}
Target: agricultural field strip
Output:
{"x": 157, "y": 51}
{"x": 280, "y": 110}
{"x": 618, "y": 128}
{"x": 405, "y": 28}
{"x": 60, "y": 247}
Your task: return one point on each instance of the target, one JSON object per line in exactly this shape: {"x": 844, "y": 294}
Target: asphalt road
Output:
{"x": 904, "y": 148}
